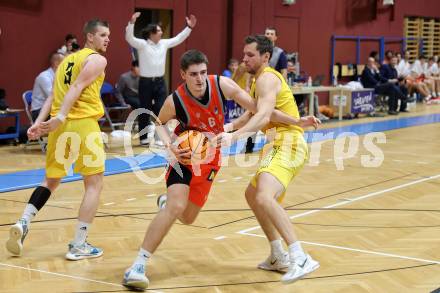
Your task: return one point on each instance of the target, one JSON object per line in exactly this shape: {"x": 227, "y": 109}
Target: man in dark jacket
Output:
{"x": 389, "y": 72}
{"x": 371, "y": 78}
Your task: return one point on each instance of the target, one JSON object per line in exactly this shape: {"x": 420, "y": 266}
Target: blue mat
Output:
{"x": 32, "y": 178}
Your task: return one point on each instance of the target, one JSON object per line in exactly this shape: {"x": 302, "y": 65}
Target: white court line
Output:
{"x": 151, "y": 195}
{"x": 220, "y": 237}
{"x": 353, "y": 200}
{"x": 61, "y": 275}
{"x": 238, "y": 178}
{"x": 69, "y": 276}
{"x": 109, "y": 203}
{"x": 221, "y": 180}
{"x": 358, "y": 250}
{"x": 131, "y": 199}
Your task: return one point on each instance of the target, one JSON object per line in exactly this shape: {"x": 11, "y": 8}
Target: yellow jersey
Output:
{"x": 89, "y": 104}
{"x": 285, "y": 102}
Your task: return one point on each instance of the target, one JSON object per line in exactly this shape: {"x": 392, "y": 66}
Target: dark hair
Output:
{"x": 373, "y": 54}
{"x": 388, "y": 52}
{"x": 149, "y": 30}
{"x": 91, "y": 25}
{"x": 422, "y": 57}
{"x": 264, "y": 45}
{"x": 271, "y": 28}
{"x": 191, "y": 57}
{"x": 134, "y": 63}
{"x": 70, "y": 37}
{"x": 232, "y": 60}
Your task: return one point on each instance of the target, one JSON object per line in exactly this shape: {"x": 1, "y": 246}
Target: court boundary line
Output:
{"x": 368, "y": 195}
{"x": 70, "y": 276}
{"x": 352, "y": 200}
{"x": 357, "y": 250}
{"x": 61, "y": 275}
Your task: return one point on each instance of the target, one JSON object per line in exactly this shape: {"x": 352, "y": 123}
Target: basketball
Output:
{"x": 196, "y": 141}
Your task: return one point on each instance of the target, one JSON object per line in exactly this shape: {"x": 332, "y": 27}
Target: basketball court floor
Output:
{"x": 373, "y": 229}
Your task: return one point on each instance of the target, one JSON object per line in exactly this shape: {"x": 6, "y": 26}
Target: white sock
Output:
{"x": 82, "y": 228}
{"x": 296, "y": 252}
{"x": 142, "y": 257}
{"x": 30, "y": 211}
{"x": 276, "y": 247}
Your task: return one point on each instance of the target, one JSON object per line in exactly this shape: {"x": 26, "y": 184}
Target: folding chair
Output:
{"x": 27, "y": 100}
{"x": 114, "y": 114}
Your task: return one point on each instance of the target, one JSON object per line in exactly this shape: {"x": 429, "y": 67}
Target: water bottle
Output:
{"x": 309, "y": 81}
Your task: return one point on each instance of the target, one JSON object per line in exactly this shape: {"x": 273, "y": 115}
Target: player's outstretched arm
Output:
{"x": 232, "y": 91}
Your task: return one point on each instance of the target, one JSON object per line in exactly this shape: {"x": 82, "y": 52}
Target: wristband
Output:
{"x": 61, "y": 117}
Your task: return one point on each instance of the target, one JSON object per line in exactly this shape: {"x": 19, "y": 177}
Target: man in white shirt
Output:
{"x": 152, "y": 53}
{"x": 43, "y": 84}
{"x": 411, "y": 73}
{"x": 432, "y": 73}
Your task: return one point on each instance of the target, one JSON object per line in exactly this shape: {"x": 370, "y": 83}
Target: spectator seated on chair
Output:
{"x": 114, "y": 113}
{"x": 127, "y": 88}
{"x": 389, "y": 72}
{"x": 371, "y": 78}
{"x": 43, "y": 84}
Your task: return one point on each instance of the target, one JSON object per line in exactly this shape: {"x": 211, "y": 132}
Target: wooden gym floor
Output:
{"x": 372, "y": 229}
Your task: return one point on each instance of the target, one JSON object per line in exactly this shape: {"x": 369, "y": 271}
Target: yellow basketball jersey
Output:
{"x": 89, "y": 103}
{"x": 285, "y": 102}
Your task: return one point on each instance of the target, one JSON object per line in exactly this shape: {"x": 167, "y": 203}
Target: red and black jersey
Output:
{"x": 205, "y": 114}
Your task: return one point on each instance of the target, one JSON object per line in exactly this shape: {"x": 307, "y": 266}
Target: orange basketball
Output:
{"x": 196, "y": 141}
{"x": 327, "y": 111}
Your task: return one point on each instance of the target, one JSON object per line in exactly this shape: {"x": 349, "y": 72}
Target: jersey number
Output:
{"x": 68, "y": 73}
{"x": 211, "y": 121}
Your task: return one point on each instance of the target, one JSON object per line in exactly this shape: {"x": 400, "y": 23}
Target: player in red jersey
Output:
{"x": 196, "y": 104}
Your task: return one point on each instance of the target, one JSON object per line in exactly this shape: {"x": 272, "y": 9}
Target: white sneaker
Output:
{"x": 85, "y": 250}
{"x": 297, "y": 271}
{"x": 135, "y": 278}
{"x": 17, "y": 233}
{"x": 162, "y": 201}
{"x": 145, "y": 142}
{"x": 278, "y": 263}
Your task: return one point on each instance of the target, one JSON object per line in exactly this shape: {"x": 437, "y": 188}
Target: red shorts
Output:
{"x": 199, "y": 181}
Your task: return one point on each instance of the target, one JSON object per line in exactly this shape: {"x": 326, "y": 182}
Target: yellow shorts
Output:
{"x": 283, "y": 161}
{"x": 77, "y": 141}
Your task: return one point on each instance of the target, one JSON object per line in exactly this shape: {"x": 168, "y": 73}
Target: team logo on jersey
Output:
{"x": 211, "y": 175}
